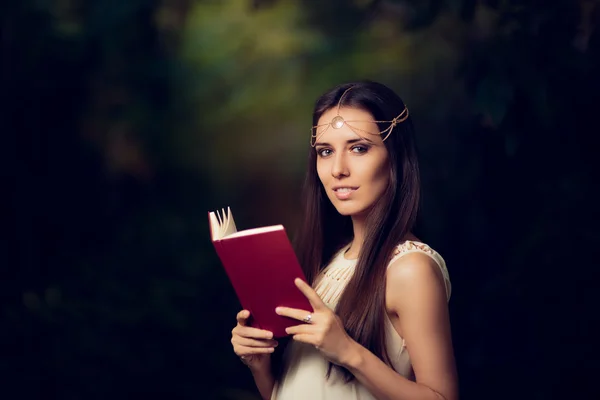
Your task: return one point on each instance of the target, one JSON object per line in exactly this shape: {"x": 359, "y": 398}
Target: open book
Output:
{"x": 261, "y": 266}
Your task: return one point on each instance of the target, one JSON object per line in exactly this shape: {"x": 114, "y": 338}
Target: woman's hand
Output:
{"x": 254, "y": 346}
{"x": 322, "y": 329}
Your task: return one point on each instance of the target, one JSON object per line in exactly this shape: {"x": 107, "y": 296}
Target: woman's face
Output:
{"x": 352, "y": 164}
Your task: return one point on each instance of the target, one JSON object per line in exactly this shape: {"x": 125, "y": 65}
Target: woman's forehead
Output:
{"x": 357, "y": 124}
{"x": 349, "y": 114}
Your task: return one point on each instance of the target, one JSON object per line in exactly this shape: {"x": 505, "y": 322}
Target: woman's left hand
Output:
{"x": 322, "y": 328}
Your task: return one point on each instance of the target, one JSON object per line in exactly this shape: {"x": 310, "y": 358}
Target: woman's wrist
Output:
{"x": 261, "y": 371}
{"x": 264, "y": 380}
{"x": 354, "y": 356}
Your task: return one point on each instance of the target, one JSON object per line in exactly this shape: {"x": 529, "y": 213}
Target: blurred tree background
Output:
{"x": 125, "y": 122}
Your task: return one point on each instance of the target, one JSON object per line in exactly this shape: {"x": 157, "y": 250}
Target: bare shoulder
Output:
{"x": 414, "y": 268}
{"x": 417, "y": 303}
{"x": 411, "y": 276}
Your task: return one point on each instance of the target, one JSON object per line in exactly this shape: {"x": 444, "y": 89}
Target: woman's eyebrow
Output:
{"x": 350, "y": 141}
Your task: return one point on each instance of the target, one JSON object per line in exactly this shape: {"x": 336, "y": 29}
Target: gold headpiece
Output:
{"x": 338, "y": 121}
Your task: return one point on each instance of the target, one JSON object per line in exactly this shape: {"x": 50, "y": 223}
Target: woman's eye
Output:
{"x": 324, "y": 152}
{"x": 360, "y": 149}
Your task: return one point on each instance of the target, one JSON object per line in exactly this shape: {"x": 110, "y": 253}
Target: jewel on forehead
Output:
{"x": 337, "y": 122}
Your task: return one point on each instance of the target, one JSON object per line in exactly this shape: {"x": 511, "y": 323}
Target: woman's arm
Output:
{"x": 264, "y": 382}
{"x": 416, "y": 293}
{"x": 254, "y": 347}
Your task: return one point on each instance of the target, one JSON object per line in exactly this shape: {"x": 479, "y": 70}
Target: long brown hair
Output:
{"x": 324, "y": 231}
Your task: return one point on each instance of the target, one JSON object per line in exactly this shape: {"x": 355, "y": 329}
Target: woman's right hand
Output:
{"x": 254, "y": 346}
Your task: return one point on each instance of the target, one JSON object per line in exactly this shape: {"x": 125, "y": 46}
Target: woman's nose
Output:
{"x": 340, "y": 166}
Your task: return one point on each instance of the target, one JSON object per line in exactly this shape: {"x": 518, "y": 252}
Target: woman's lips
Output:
{"x": 344, "y": 192}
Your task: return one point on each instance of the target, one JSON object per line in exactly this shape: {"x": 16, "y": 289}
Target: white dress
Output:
{"x": 305, "y": 370}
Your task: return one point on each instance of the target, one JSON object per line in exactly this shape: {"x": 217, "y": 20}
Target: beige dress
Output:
{"x": 304, "y": 376}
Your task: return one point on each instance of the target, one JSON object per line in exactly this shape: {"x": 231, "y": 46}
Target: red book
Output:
{"x": 262, "y": 267}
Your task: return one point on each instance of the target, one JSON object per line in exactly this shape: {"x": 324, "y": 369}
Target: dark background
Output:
{"x": 124, "y": 122}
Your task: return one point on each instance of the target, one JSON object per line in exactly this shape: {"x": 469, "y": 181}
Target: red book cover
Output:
{"x": 261, "y": 265}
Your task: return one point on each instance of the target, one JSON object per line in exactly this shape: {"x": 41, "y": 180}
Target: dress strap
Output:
{"x": 410, "y": 246}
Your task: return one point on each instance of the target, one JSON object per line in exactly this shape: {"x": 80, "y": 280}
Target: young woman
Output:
{"x": 380, "y": 327}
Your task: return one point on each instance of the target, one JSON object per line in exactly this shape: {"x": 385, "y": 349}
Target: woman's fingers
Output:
{"x": 303, "y": 328}
{"x": 304, "y": 338}
{"x": 246, "y": 331}
{"x": 294, "y": 313}
{"x": 248, "y": 342}
{"x": 242, "y": 316}
{"x": 312, "y": 296}
{"x": 253, "y": 345}
{"x": 253, "y": 333}
{"x": 249, "y": 351}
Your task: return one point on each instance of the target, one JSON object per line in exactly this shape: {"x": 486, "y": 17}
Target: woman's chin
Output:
{"x": 348, "y": 210}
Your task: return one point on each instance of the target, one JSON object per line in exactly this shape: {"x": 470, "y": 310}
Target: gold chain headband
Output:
{"x": 338, "y": 121}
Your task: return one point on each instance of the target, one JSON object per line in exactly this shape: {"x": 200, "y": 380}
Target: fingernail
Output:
{"x": 278, "y": 310}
